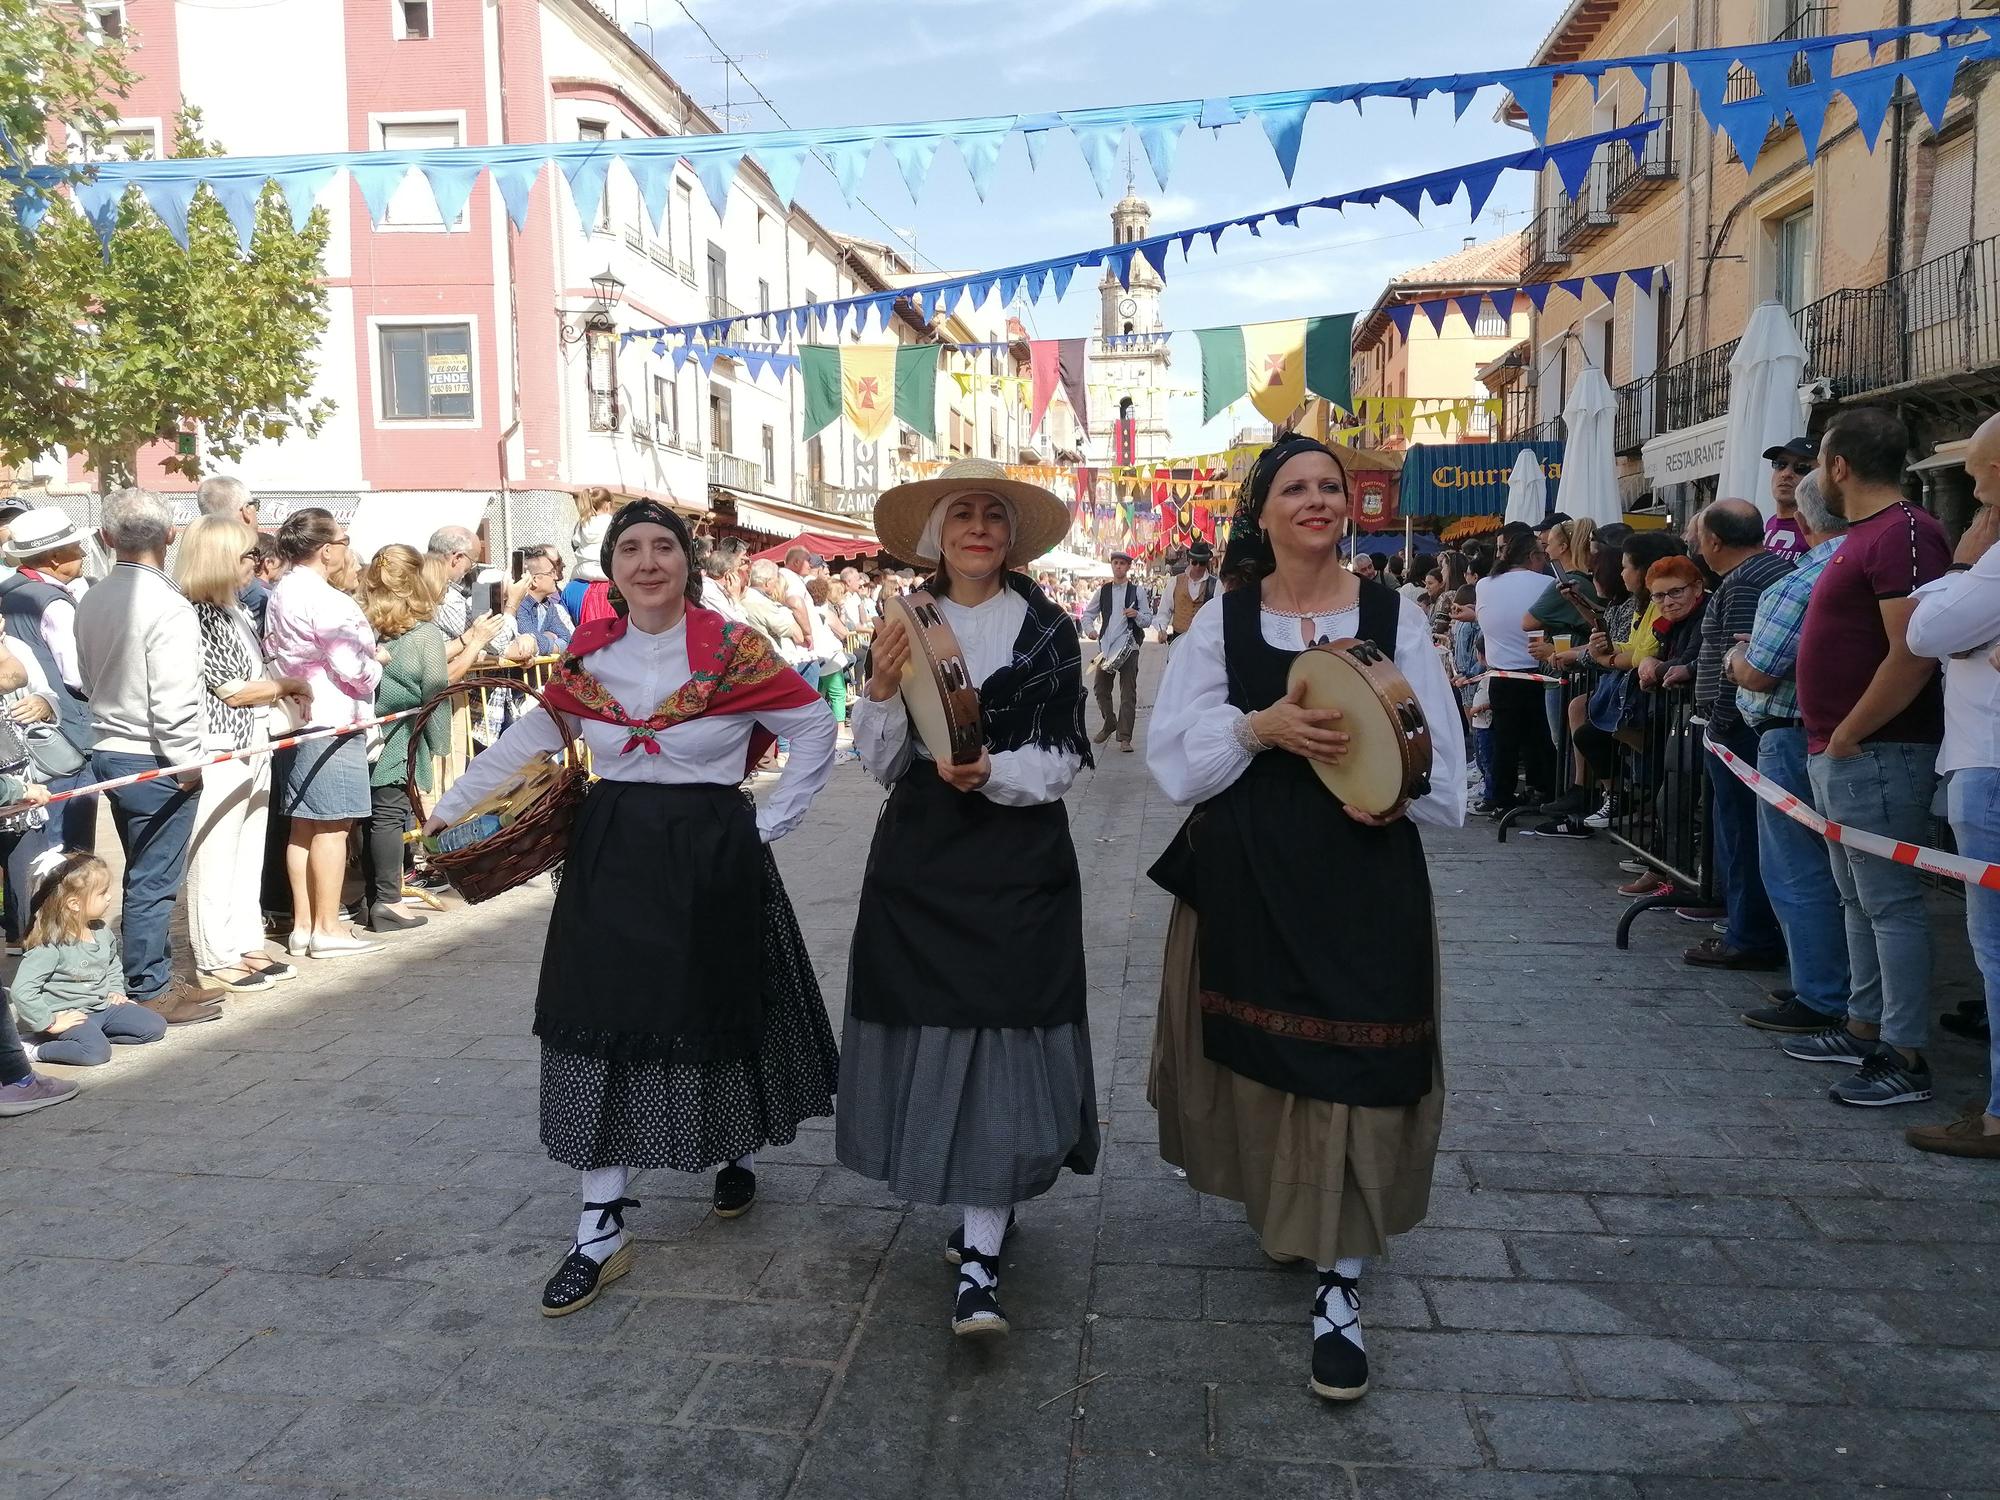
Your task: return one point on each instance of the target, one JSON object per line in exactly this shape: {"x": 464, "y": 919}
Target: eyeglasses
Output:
{"x": 246, "y": 557}
{"x": 1799, "y": 466}
{"x": 1673, "y": 596}
{"x": 339, "y": 541}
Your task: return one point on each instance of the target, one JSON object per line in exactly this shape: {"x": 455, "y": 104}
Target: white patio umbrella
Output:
{"x": 1764, "y": 377}
{"x": 1527, "y": 489}
{"x": 1590, "y": 471}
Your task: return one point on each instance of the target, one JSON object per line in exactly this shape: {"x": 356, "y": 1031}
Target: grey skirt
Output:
{"x": 324, "y": 780}
{"x": 981, "y": 1118}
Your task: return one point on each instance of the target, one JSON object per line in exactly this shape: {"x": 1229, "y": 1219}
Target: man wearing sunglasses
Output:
{"x": 1790, "y": 462}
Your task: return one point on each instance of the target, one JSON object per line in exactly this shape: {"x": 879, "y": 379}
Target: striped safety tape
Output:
{"x": 1951, "y": 866}
{"x": 214, "y": 760}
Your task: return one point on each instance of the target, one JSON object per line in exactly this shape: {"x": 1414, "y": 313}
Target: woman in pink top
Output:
{"x": 314, "y": 631}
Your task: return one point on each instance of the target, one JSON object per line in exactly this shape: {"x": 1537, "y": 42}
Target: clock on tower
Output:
{"x": 1129, "y": 358}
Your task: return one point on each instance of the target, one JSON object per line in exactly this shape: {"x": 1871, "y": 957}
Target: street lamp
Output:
{"x": 610, "y": 290}
{"x": 607, "y": 291}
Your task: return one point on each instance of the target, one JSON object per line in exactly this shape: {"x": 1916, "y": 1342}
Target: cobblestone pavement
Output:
{"x": 298, "y": 1253}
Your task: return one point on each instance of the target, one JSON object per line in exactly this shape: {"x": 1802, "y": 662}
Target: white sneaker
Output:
{"x": 1601, "y": 818}
{"x": 298, "y": 944}
{"x": 341, "y": 947}
{"x": 33, "y": 1052}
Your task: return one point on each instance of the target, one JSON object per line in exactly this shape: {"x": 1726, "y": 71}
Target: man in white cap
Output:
{"x": 1122, "y": 615}
{"x": 46, "y": 549}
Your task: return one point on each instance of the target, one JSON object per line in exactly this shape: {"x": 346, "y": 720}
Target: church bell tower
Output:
{"x": 1129, "y": 354}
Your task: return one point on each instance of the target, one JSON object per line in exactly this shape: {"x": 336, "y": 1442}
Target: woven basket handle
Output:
{"x": 572, "y": 755}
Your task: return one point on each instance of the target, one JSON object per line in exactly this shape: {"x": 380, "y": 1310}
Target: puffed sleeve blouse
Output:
{"x": 1192, "y": 749}
{"x": 986, "y": 633}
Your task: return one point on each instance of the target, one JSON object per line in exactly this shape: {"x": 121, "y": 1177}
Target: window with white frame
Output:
{"x": 666, "y": 410}
{"x": 411, "y": 205}
{"x": 426, "y": 371}
{"x": 130, "y": 141}
{"x": 601, "y": 376}
{"x": 593, "y": 130}
{"x": 413, "y": 19}
{"x": 720, "y": 437}
{"x": 1794, "y": 259}
{"x": 104, "y": 20}
{"x": 681, "y": 239}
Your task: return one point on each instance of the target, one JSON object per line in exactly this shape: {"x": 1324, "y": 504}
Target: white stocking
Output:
{"x": 985, "y": 1229}
{"x": 1342, "y": 1304}
{"x": 747, "y": 1161}
{"x": 600, "y": 1230}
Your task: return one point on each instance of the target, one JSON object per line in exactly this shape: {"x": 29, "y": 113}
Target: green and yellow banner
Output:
{"x": 1276, "y": 364}
{"x": 870, "y": 385}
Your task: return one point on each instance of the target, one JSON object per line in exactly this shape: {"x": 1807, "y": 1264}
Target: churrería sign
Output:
{"x": 1469, "y": 479}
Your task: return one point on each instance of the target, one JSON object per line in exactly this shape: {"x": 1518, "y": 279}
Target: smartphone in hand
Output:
{"x": 496, "y": 594}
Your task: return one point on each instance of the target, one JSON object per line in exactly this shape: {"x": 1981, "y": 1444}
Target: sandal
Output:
{"x": 976, "y": 1312}
{"x": 580, "y": 1278}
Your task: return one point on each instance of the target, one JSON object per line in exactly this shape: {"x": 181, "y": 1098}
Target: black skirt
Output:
{"x": 971, "y": 913}
{"x": 654, "y": 920}
{"x": 655, "y": 948}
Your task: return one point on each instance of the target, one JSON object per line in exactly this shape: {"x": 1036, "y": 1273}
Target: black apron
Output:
{"x": 1317, "y": 935}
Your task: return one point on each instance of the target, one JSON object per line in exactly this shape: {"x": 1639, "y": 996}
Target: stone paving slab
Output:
{"x": 296, "y": 1255}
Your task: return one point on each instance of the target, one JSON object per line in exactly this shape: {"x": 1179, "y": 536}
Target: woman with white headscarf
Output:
{"x": 966, "y": 1076}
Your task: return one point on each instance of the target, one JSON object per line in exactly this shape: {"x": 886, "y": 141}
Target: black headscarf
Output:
{"x": 1249, "y": 556}
{"x": 644, "y": 513}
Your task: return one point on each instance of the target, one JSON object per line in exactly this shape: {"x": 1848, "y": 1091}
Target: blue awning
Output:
{"x": 1469, "y": 479}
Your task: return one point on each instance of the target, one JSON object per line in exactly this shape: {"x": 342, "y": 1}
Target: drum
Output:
{"x": 1388, "y": 760}
{"x": 937, "y": 686}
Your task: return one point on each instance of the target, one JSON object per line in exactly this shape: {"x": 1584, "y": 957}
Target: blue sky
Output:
{"x": 832, "y": 62}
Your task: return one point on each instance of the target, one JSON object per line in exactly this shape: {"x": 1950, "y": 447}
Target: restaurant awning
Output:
{"x": 824, "y": 546}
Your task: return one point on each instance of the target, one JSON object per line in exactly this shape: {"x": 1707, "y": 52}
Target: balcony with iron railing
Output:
{"x": 1939, "y": 321}
{"x": 1543, "y": 242}
{"x": 1588, "y": 215}
{"x": 720, "y": 307}
{"x": 736, "y": 473}
{"x": 1637, "y": 172}
{"x": 1810, "y": 22}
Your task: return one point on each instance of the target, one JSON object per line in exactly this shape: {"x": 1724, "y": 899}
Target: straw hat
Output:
{"x": 1041, "y": 520}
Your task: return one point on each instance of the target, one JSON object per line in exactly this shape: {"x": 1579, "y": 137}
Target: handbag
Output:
{"x": 49, "y": 748}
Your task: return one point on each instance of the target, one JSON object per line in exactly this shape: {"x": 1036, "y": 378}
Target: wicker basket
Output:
{"x": 538, "y": 838}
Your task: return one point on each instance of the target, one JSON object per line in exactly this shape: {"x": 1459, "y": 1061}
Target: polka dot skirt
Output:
{"x": 693, "y": 1116}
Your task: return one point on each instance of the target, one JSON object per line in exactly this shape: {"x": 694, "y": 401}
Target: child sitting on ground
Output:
{"x": 70, "y": 987}
{"x": 22, "y": 1090}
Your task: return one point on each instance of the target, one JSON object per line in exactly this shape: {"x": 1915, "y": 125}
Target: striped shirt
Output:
{"x": 1773, "y": 648}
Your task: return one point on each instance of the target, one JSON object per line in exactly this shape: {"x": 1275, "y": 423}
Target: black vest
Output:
{"x": 22, "y": 601}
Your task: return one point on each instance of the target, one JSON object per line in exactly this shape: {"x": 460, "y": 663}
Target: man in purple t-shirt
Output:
{"x": 1874, "y": 717}
{"x": 1790, "y": 462}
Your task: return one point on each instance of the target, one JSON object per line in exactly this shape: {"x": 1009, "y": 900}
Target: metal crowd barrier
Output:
{"x": 1659, "y": 796}
{"x": 480, "y": 715}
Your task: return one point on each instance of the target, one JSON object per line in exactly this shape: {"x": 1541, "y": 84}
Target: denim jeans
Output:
{"x": 155, "y": 823}
{"x": 1886, "y": 788}
{"x": 1753, "y": 928}
{"x": 1800, "y": 881}
{"x": 1974, "y": 801}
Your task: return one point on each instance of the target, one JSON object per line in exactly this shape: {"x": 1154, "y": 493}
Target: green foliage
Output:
{"x": 103, "y": 353}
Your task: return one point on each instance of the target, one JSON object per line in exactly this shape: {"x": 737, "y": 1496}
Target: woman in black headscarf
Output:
{"x": 1287, "y": 1076}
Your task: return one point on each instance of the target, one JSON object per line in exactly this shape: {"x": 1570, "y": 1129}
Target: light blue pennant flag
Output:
{"x": 378, "y": 181}
{"x": 516, "y": 180}
{"x": 451, "y": 181}
{"x": 781, "y": 164}
{"x": 170, "y": 198}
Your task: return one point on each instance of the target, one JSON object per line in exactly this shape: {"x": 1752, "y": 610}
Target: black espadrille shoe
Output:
{"x": 579, "y": 1278}
{"x": 1340, "y": 1366}
{"x": 735, "y": 1191}
{"x": 954, "y": 1247}
{"x": 977, "y": 1314}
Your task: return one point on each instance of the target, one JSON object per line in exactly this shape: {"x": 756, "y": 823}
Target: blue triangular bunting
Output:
{"x": 301, "y": 189}
{"x": 1468, "y": 308}
{"x": 1161, "y": 139}
{"x": 913, "y": 155}
{"x": 1503, "y": 306}
{"x": 451, "y": 184}
{"x": 238, "y": 197}
{"x": 1538, "y": 293}
{"x": 1099, "y": 144}
{"x": 378, "y": 181}
{"x": 980, "y": 151}
{"x": 1572, "y": 164}
{"x": 1607, "y": 283}
{"x": 781, "y": 164}
{"x": 516, "y": 181}
{"x": 850, "y": 161}
{"x": 1931, "y": 78}
{"x": 1642, "y": 279}
{"x": 1434, "y": 309}
{"x": 1400, "y": 314}
{"x": 1285, "y": 127}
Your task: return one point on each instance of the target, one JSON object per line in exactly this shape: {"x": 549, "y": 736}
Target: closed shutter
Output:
{"x": 1950, "y": 226}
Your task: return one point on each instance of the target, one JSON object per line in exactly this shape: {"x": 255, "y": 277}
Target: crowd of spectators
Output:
{"x": 1842, "y": 648}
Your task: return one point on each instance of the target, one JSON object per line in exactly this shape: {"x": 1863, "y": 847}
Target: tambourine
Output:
{"x": 937, "y": 685}
{"x": 1388, "y": 760}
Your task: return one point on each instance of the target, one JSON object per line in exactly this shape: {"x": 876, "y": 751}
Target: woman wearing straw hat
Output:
{"x": 966, "y": 1075}
{"x": 1305, "y": 1088}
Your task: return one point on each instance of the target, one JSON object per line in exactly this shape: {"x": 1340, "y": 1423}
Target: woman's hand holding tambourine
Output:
{"x": 1289, "y": 725}
{"x": 967, "y": 778}
{"x": 1369, "y": 819}
{"x": 887, "y": 657}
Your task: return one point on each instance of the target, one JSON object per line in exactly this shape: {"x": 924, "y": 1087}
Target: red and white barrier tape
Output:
{"x": 1518, "y": 677}
{"x": 214, "y": 760}
{"x": 1951, "y": 866}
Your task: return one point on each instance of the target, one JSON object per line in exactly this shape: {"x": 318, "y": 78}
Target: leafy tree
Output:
{"x": 142, "y": 342}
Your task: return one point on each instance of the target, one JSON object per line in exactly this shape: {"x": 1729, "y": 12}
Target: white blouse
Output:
{"x": 641, "y": 671}
{"x": 1191, "y": 746}
{"x": 986, "y": 633}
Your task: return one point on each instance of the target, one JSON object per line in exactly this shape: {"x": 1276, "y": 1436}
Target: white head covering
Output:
{"x": 931, "y": 544}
